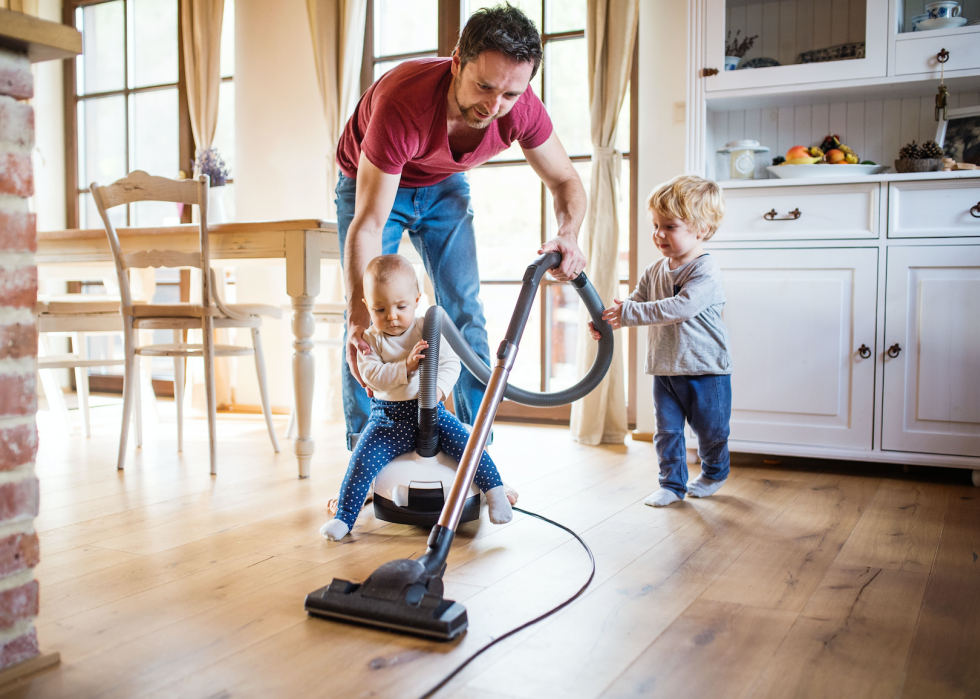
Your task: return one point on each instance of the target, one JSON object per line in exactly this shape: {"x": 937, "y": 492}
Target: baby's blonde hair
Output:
{"x": 386, "y": 268}
{"x": 692, "y": 199}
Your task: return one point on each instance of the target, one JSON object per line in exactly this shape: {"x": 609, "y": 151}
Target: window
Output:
{"x": 126, "y": 105}
{"x": 514, "y": 210}
{"x": 126, "y": 109}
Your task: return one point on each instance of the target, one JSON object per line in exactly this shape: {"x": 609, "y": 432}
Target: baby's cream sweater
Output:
{"x": 386, "y": 372}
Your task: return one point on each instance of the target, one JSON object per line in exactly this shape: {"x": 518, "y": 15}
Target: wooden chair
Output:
{"x": 207, "y": 315}
{"x": 76, "y": 316}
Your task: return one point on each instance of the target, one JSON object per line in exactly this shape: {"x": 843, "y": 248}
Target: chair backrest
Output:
{"x": 140, "y": 186}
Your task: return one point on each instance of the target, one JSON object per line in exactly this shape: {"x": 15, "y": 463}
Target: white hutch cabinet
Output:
{"x": 855, "y": 325}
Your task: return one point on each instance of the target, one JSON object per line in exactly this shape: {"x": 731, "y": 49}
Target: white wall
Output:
{"x": 282, "y": 160}
{"x": 663, "y": 46}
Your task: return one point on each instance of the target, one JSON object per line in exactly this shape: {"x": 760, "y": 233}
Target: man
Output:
{"x": 402, "y": 157}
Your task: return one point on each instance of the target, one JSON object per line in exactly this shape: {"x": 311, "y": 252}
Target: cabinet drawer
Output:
{"x": 919, "y": 55}
{"x": 826, "y": 212}
{"x": 933, "y": 209}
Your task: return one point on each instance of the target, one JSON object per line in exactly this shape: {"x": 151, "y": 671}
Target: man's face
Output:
{"x": 488, "y": 87}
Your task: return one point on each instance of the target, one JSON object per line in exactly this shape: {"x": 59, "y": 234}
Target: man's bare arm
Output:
{"x": 375, "y": 196}
{"x": 553, "y": 166}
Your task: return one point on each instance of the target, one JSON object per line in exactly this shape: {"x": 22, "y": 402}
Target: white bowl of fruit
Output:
{"x": 830, "y": 159}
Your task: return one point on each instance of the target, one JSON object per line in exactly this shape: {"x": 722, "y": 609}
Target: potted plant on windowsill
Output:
{"x": 209, "y": 162}
{"x": 736, "y": 49}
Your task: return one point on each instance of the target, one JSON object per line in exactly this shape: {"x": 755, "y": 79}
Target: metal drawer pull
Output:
{"x": 864, "y": 351}
{"x": 791, "y": 216}
{"x": 975, "y": 211}
{"x": 894, "y": 350}
{"x": 942, "y": 56}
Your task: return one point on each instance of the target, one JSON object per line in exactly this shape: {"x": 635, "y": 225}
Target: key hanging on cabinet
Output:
{"x": 942, "y": 97}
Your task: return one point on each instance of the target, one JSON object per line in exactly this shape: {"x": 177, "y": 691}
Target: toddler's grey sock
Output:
{"x": 335, "y": 530}
{"x": 702, "y": 487}
{"x": 661, "y": 497}
{"x": 499, "y": 506}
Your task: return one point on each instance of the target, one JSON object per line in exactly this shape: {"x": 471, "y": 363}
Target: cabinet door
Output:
{"x": 797, "y": 320}
{"x": 932, "y": 320}
{"x": 792, "y": 32}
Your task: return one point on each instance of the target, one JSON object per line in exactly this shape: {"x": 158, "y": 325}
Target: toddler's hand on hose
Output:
{"x": 416, "y": 355}
{"x": 612, "y": 315}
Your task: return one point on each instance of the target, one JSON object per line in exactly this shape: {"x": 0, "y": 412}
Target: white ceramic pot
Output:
{"x": 216, "y": 205}
{"x": 731, "y": 62}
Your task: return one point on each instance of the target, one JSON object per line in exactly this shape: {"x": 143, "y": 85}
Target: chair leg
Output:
{"x": 209, "y": 389}
{"x": 52, "y": 391}
{"x": 291, "y": 427}
{"x": 129, "y": 387}
{"x": 263, "y": 386}
{"x": 137, "y": 362}
{"x": 81, "y": 381}
{"x": 179, "y": 391}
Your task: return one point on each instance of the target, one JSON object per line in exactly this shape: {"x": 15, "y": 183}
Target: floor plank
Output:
{"x": 945, "y": 656}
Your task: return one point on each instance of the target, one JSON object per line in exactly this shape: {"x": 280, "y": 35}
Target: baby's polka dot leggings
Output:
{"x": 390, "y": 432}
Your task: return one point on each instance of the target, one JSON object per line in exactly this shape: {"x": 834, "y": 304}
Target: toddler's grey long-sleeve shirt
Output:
{"x": 687, "y": 335}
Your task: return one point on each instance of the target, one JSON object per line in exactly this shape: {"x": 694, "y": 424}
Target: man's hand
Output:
{"x": 572, "y": 258}
{"x": 416, "y": 355}
{"x": 612, "y": 315}
{"x": 355, "y": 344}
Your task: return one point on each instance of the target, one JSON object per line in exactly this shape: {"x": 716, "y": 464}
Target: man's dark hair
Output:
{"x": 505, "y": 29}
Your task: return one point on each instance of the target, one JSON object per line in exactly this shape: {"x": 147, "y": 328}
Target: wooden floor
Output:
{"x": 800, "y": 578}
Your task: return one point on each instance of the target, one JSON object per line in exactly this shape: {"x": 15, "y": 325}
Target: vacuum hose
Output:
{"x": 434, "y": 327}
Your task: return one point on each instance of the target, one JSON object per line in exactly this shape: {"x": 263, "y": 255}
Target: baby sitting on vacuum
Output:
{"x": 391, "y": 370}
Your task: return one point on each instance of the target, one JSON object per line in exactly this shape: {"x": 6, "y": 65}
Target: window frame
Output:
{"x": 450, "y": 19}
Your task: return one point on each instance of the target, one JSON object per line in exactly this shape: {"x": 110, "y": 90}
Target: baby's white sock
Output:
{"x": 500, "y": 510}
{"x": 702, "y": 487}
{"x": 661, "y": 497}
{"x": 335, "y": 530}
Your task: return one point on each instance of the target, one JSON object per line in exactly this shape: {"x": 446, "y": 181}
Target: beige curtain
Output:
{"x": 600, "y": 417}
{"x": 200, "y": 25}
{"x": 337, "y": 27}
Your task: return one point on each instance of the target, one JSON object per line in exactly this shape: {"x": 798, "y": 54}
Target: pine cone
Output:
{"x": 910, "y": 151}
{"x": 930, "y": 149}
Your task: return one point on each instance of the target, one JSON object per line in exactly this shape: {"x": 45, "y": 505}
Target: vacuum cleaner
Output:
{"x": 406, "y": 595}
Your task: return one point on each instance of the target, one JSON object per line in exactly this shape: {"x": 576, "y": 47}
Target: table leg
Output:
{"x": 303, "y": 377}
{"x": 303, "y": 285}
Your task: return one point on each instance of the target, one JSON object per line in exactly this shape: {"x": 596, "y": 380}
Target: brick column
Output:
{"x": 18, "y": 357}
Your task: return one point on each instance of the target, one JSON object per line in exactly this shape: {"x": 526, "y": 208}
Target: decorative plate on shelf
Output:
{"x": 941, "y": 23}
{"x": 791, "y": 171}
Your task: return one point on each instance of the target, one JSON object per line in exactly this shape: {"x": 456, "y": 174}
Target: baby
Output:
{"x": 680, "y": 298}
{"x": 391, "y": 293}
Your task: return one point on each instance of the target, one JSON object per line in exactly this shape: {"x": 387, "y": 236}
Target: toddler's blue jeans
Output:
{"x": 439, "y": 220}
{"x": 704, "y": 401}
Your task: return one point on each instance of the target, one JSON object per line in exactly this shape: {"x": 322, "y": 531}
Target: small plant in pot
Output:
{"x": 209, "y": 162}
{"x": 735, "y": 49}
{"x": 914, "y": 157}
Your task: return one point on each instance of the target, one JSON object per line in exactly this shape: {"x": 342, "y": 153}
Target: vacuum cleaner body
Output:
{"x": 412, "y": 489}
{"x": 406, "y": 595}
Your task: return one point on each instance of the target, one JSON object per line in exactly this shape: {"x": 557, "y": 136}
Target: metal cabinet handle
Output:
{"x": 894, "y": 350}
{"x": 942, "y": 56}
{"x": 708, "y": 72}
{"x": 791, "y": 216}
{"x": 864, "y": 351}
{"x": 975, "y": 211}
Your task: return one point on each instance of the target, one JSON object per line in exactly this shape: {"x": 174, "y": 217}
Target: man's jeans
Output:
{"x": 705, "y": 401}
{"x": 439, "y": 220}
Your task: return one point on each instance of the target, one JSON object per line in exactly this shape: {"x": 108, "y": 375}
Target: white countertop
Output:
{"x": 854, "y": 179}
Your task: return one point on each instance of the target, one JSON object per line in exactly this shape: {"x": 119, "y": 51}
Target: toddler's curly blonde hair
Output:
{"x": 689, "y": 198}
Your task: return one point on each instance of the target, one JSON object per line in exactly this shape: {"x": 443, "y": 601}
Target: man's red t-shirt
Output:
{"x": 400, "y": 124}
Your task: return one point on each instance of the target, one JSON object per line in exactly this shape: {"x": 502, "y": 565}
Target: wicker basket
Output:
{"x": 918, "y": 165}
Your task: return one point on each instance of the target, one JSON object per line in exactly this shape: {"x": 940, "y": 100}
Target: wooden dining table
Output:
{"x": 303, "y": 243}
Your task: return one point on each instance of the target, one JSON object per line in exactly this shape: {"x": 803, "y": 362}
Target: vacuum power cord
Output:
{"x": 445, "y": 680}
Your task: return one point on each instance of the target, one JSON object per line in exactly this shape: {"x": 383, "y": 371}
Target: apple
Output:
{"x": 835, "y": 156}
{"x": 797, "y": 152}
